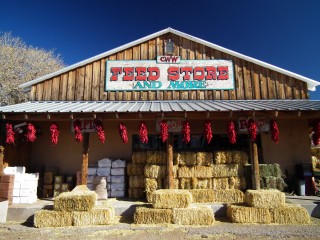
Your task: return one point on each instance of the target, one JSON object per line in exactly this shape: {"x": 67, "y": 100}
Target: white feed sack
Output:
{"x": 106, "y": 162}
{"x": 118, "y": 171}
{"x": 103, "y": 171}
{"x": 14, "y": 170}
{"x": 115, "y": 194}
{"x": 118, "y": 163}
{"x": 90, "y": 179}
{"x": 92, "y": 171}
{"x": 117, "y": 179}
{"x": 117, "y": 187}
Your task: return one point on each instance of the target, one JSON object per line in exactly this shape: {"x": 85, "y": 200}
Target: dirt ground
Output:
{"x": 222, "y": 229}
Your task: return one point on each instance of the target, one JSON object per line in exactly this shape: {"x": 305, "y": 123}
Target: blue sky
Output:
{"x": 285, "y": 33}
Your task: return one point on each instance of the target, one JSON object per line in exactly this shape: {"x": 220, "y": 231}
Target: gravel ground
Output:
{"x": 121, "y": 230}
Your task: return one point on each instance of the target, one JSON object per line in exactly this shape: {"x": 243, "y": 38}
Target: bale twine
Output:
{"x": 202, "y": 195}
{"x": 145, "y": 215}
{"x": 139, "y": 157}
{"x": 244, "y": 214}
{"x": 269, "y": 198}
{"x": 193, "y": 215}
{"x": 229, "y": 196}
{"x": 48, "y": 218}
{"x": 134, "y": 169}
{"x": 290, "y": 214}
{"x": 172, "y": 198}
{"x": 204, "y": 158}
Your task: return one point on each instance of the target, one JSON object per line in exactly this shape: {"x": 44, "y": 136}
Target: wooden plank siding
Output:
{"x": 88, "y": 82}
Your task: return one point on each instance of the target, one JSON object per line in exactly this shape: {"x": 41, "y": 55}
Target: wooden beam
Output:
{"x": 170, "y": 161}
{"x": 85, "y": 158}
{"x": 255, "y": 166}
{"x": 1, "y": 159}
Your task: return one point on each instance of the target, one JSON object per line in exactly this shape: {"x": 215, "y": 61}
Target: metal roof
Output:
{"x": 311, "y": 83}
{"x": 160, "y": 106}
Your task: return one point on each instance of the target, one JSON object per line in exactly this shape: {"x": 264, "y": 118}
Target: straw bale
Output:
{"x": 101, "y": 216}
{"x": 281, "y": 185}
{"x": 136, "y": 193}
{"x": 185, "y": 183}
{"x": 201, "y": 183}
{"x": 220, "y": 183}
{"x": 244, "y": 214}
{"x": 290, "y": 214}
{"x": 185, "y": 172}
{"x": 136, "y": 181}
{"x": 237, "y": 183}
{"x": 178, "y": 159}
{"x": 270, "y": 170}
{"x": 193, "y": 215}
{"x": 75, "y": 201}
{"x": 202, "y": 172}
{"x": 227, "y": 170}
{"x": 134, "y": 169}
{"x": 202, "y": 195}
{"x": 190, "y": 158}
{"x": 149, "y": 196}
{"x": 156, "y": 157}
{"x": 166, "y": 184}
{"x": 81, "y": 188}
{"x": 155, "y": 171}
{"x": 222, "y": 157}
{"x": 229, "y": 196}
{"x": 152, "y": 184}
{"x": 145, "y": 215}
{"x": 240, "y": 157}
{"x": 204, "y": 159}
{"x": 139, "y": 157}
{"x": 265, "y": 198}
{"x": 48, "y": 218}
{"x": 172, "y": 198}
{"x": 270, "y": 182}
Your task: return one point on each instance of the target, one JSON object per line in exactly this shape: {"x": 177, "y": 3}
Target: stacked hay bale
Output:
{"x": 267, "y": 206}
{"x": 76, "y": 208}
{"x": 271, "y": 176}
{"x": 174, "y": 206}
{"x": 135, "y": 171}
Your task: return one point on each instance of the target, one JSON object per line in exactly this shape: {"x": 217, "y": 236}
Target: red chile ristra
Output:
{"x": 77, "y": 130}
{"x": 123, "y": 133}
{"x": 143, "y": 133}
{"x": 186, "y": 132}
{"x": 31, "y": 133}
{"x": 164, "y": 130}
{"x": 207, "y": 131}
{"x": 232, "y": 134}
{"x": 10, "y": 134}
{"x": 54, "y": 131}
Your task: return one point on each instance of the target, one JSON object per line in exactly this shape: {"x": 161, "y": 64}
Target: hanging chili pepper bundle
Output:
{"x": 186, "y": 132}
{"x": 316, "y": 134}
{"x": 100, "y": 130}
{"x": 77, "y": 130}
{"x": 54, "y": 131}
{"x": 164, "y": 130}
{"x": 207, "y": 131}
{"x": 31, "y": 133}
{"x": 123, "y": 133}
{"x": 252, "y": 129}
{"x": 143, "y": 132}
{"x": 274, "y": 131}
{"x": 231, "y": 131}
{"x": 10, "y": 134}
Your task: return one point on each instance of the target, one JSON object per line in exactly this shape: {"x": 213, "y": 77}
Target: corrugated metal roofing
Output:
{"x": 311, "y": 83}
{"x": 160, "y": 106}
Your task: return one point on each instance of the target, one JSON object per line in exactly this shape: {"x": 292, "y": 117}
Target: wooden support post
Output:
{"x": 85, "y": 158}
{"x": 170, "y": 161}
{"x": 255, "y": 167}
{"x": 1, "y": 159}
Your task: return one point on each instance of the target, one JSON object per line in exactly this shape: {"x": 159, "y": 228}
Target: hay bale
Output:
{"x": 156, "y": 157}
{"x": 136, "y": 193}
{"x": 270, "y": 182}
{"x": 190, "y": 158}
{"x": 269, "y": 198}
{"x": 202, "y": 195}
{"x": 172, "y": 198}
{"x": 270, "y": 170}
{"x": 204, "y": 158}
{"x": 244, "y": 214}
{"x": 240, "y": 157}
{"x": 185, "y": 172}
{"x": 220, "y": 183}
{"x": 136, "y": 181}
{"x": 201, "y": 183}
{"x": 178, "y": 159}
{"x": 229, "y": 196}
{"x": 155, "y": 171}
{"x": 202, "y": 172}
{"x": 145, "y": 215}
{"x": 237, "y": 183}
{"x": 139, "y": 157}
{"x": 281, "y": 185}
{"x": 222, "y": 157}
{"x": 75, "y": 201}
{"x": 149, "y": 196}
{"x": 152, "y": 184}
{"x": 134, "y": 169}
{"x": 290, "y": 214}
{"x": 101, "y": 216}
{"x": 48, "y": 218}
{"x": 227, "y": 170}
{"x": 193, "y": 215}
{"x": 166, "y": 184}
{"x": 185, "y": 183}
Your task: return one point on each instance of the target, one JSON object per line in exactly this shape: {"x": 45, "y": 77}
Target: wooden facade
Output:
{"x": 87, "y": 83}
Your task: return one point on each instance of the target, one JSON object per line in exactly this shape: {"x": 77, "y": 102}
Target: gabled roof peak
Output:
{"x": 311, "y": 83}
